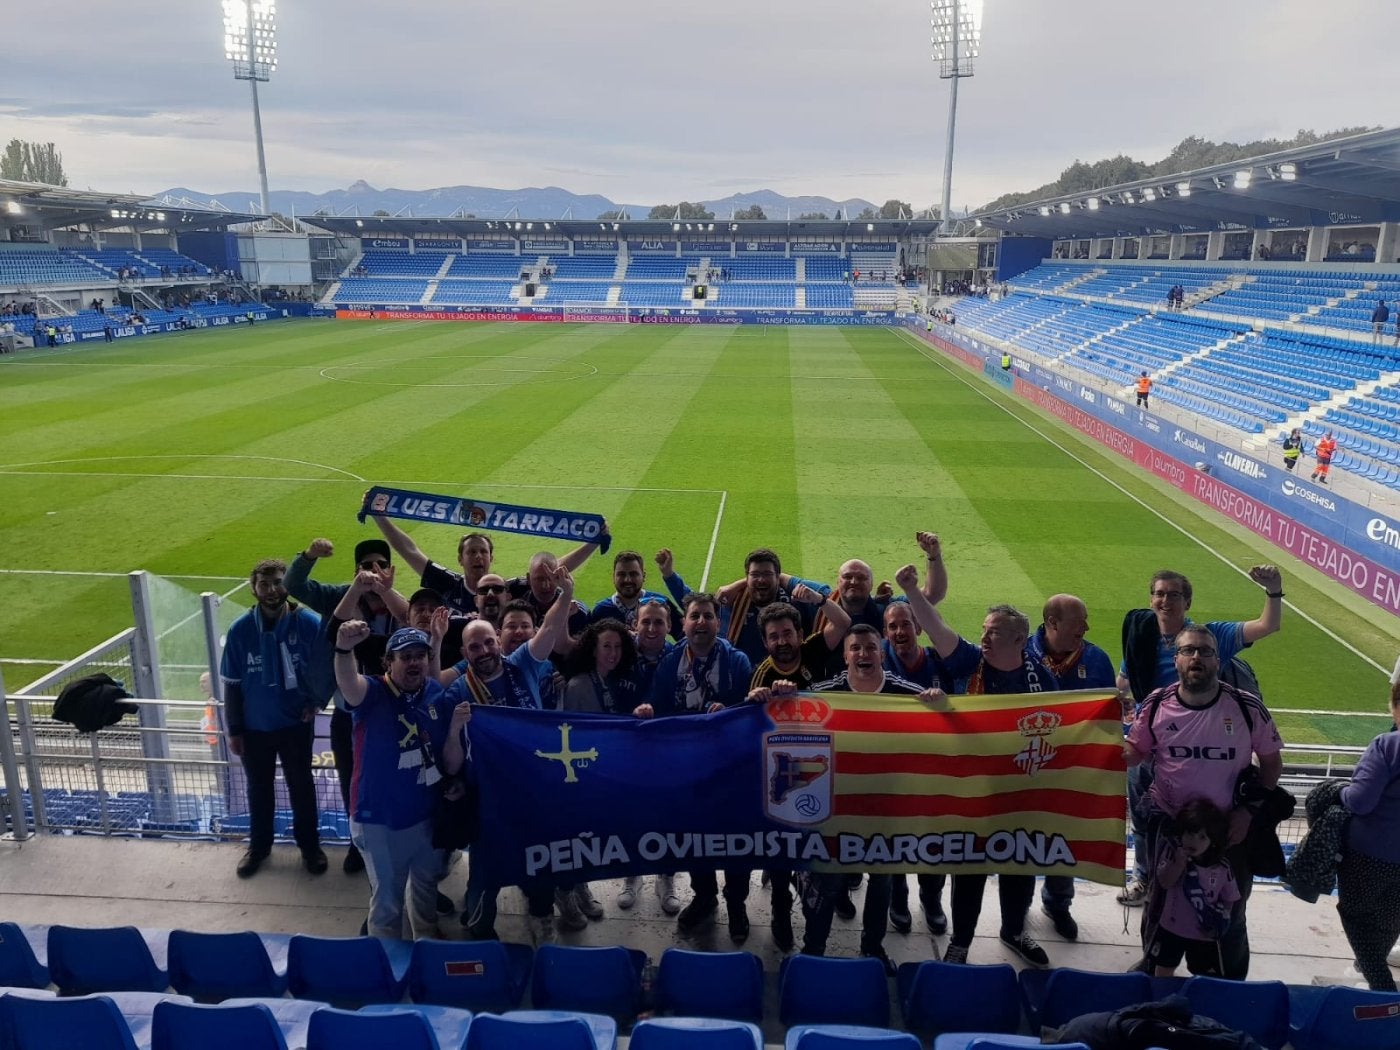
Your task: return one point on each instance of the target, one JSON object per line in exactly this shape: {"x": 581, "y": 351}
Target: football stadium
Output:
{"x": 458, "y": 628}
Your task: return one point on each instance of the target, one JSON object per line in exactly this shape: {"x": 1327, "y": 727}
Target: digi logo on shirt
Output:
{"x": 1210, "y": 754}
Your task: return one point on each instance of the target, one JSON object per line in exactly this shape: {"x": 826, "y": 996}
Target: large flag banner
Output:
{"x": 478, "y": 514}
{"x": 1029, "y": 784}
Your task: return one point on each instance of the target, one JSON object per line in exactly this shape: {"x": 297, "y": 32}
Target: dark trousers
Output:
{"x": 261, "y": 753}
{"x": 1016, "y": 893}
{"x": 819, "y": 907}
{"x": 736, "y": 885}
{"x": 1057, "y": 893}
{"x": 780, "y": 890}
{"x": 930, "y": 892}
{"x": 481, "y": 900}
{"x": 343, "y": 748}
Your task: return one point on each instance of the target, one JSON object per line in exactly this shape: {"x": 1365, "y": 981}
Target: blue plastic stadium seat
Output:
{"x": 848, "y": 1037}
{"x": 588, "y": 980}
{"x": 90, "y": 1022}
{"x": 710, "y": 984}
{"x": 449, "y": 1024}
{"x": 1069, "y": 993}
{"x": 399, "y": 1027}
{"x": 470, "y": 975}
{"x": 1257, "y": 1007}
{"x": 215, "y": 966}
{"x": 19, "y": 964}
{"x": 112, "y": 959}
{"x": 1350, "y": 1019}
{"x": 293, "y": 1016}
{"x": 815, "y": 990}
{"x": 991, "y": 1041}
{"x": 182, "y": 1026}
{"x": 343, "y": 971}
{"x": 938, "y": 997}
{"x": 542, "y": 1030}
{"x": 695, "y": 1033}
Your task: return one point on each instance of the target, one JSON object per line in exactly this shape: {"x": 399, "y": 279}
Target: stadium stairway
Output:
{"x": 801, "y": 297}
{"x": 429, "y": 292}
{"x": 446, "y": 265}
{"x": 621, "y": 272}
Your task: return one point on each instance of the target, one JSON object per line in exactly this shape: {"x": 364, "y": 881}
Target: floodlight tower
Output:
{"x": 250, "y": 43}
{"x": 956, "y": 40}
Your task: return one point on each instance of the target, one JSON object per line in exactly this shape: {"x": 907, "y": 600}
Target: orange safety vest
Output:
{"x": 1325, "y": 448}
{"x": 1144, "y": 384}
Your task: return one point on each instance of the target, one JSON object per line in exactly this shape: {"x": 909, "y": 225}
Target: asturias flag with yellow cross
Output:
{"x": 1029, "y": 784}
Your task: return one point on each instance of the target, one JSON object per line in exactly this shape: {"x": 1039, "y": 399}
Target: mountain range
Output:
{"x": 547, "y": 202}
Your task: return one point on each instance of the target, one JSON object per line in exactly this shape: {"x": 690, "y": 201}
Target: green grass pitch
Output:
{"x": 196, "y": 454}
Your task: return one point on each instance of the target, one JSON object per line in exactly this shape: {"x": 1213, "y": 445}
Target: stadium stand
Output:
{"x": 582, "y": 267}
{"x": 474, "y": 292}
{"x": 32, "y": 266}
{"x": 400, "y": 264}
{"x": 488, "y": 265}
{"x": 372, "y": 290}
{"x": 579, "y": 291}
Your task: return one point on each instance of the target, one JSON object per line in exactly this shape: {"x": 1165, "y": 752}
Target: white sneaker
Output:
{"x": 587, "y": 903}
{"x": 1134, "y": 895}
{"x": 1394, "y": 957}
{"x": 628, "y": 897}
{"x": 666, "y": 890}
{"x": 541, "y": 930}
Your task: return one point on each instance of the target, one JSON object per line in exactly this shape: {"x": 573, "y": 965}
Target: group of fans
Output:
{"x": 406, "y": 672}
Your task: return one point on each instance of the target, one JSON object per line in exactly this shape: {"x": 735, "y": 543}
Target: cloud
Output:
{"x": 644, "y": 102}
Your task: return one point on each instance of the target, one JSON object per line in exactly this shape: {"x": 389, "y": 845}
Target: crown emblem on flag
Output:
{"x": 798, "y": 710}
{"x": 1038, "y": 723}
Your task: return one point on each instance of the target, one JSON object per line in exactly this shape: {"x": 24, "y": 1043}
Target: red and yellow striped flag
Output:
{"x": 1012, "y": 784}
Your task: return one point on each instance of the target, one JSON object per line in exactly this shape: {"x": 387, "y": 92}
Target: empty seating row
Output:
{"x": 28, "y": 266}
{"x": 935, "y": 998}
{"x": 381, "y": 290}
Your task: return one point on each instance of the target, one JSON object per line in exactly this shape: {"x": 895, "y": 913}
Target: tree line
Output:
{"x": 33, "y": 162}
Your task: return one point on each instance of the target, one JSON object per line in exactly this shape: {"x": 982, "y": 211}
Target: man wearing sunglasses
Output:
{"x": 1149, "y": 662}
{"x": 380, "y": 607}
{"x": 1200, "y": 734}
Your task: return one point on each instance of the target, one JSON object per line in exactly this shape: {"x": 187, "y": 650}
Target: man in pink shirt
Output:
{"x": 1201, "y": 734}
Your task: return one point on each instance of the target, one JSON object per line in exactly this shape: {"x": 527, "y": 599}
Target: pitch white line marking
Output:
{"x": 123, "y": 575}
{"x": 8, "y": 467}
{"x": 714, "y": 539}
{"x": 956, "y": 373}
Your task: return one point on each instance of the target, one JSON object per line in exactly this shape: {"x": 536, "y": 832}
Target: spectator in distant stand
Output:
{"x": 1325, "y": 449}
{"x": 1292, "y": 449}
{"x": 1144, "y": 389}
{"x": 1379, "y": 316}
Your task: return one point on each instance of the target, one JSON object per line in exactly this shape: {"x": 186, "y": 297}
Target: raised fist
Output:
{"x": 320, "y": 548}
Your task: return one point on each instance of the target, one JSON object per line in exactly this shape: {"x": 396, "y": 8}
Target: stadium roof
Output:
{"x": 367, "y": 225}
{"x": 57, "y": 206}
{"x": 1345, "y": 181}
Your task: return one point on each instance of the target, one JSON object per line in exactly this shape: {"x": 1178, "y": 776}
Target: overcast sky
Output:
{"x": 646, "y": 103}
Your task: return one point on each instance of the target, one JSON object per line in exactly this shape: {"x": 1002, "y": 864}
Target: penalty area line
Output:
{"x": 714, "y": 540}
{"x": 957, "y": 374}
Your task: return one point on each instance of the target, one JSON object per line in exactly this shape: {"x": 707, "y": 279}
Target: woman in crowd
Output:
{"x": 1368, "y": 878}
{"x": 604, "y": 680}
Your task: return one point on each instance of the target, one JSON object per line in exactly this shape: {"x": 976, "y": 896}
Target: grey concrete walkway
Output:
{"x": 91, "y": 881}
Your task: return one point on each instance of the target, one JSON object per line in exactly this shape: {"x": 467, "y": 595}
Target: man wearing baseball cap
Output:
{"x": 376, "y": 602}
{"x": 400, "y": 725}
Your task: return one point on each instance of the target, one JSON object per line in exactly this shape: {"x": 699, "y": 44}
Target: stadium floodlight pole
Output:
{"x": 250, "y": 43}
{"x": 956, "y": 40}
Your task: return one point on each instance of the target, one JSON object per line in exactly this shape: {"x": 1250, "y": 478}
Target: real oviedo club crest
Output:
{"x": 798, "y": 762}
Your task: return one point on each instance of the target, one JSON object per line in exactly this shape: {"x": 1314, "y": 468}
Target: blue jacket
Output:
{"x": 270, "y": 673}
{"x": 1093, "y": 671}
{"x": 734, "y": 670}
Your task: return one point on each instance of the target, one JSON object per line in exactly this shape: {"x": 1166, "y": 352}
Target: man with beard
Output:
{"x": 702, "y": 675}
{"x": 1149, "y": 662}
{"x": 268, "y": 656}
{"x": 514, "y": 680}
{"x": 629, "y": 575}
{"x": 864, "y": 673}
{"x": 401, "y": 726}
{"x": 801, "y": 663}
{"x": 1001, "y": 663}
{"x": 1201, "y": 734}
{"x": 379, "y": 606}
{"x": 492, "y": 593}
